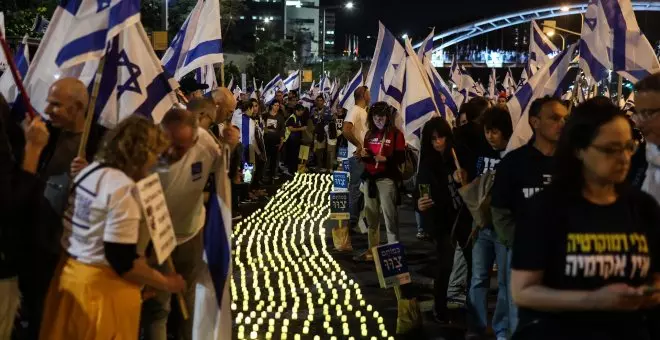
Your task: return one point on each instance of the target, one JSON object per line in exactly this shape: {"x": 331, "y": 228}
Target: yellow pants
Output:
{"x": 90, "y": 302}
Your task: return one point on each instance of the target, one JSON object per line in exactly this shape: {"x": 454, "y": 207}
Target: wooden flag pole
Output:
{"x": 222, "y": 74}
{"x": 90, "y": 108}
{"x": 17, "y": 76}
{"x": 179, "y": 296}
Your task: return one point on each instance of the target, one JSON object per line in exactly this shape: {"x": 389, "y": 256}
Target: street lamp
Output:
{"x": 349, "y": 6}
{"x": 551, "y": 33}
{"x": 564, "y": 8}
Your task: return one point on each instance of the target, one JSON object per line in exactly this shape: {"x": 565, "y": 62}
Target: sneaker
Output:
{"x": 422, "y": 236}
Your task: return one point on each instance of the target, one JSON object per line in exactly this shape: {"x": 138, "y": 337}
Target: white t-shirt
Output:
{"x": 357, "y": 116}
{"x": 184, "y": 186}
{"x": 104, "y": 208}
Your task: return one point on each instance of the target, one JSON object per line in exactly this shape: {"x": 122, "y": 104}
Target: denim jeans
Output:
{"x": 418, "y": 218}
{"x": 486, "y": 250}
{"x": 356, "y": 200}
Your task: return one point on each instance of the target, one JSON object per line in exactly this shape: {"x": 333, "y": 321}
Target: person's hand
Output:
{"x": 36, "y": 132}
{"x": 77, "y": 165}
{"x": 358, "y": 152}
{"x": 230, "y": 136}
{"x": 652, "y": 299}
{"x": 424, "y": 203}
{"x": 617, "y": 297}
{"x": 174, "y": 283}
{"x": 461, "y": 176}
{"x": 380, "y": 158}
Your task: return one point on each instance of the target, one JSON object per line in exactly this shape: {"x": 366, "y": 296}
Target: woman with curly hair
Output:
{"x": 383, "y": 154}
{"x": 96, "y": 294}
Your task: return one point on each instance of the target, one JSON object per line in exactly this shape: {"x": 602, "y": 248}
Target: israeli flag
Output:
{"x": 492, "y": 80}
{"x": 206, "y": 75}
{"x": 524, "y": 76}
{"x": 247, "y": 129}
{"x": 292, "y": 82}
{"x": 347, "y": 101}
{"x": 325, "y": 85}
{"x": 212, "y": 317}
{"x": 509, "y": 84}
{"x": 551, "y": 80}
{"x": 441, "y": 92}
{"x": 540, "y": 48}
{"x": 417, "y": 104}
{"x": 8, "y": 87}
{"x": 334, "y": 95}
{"x": 198, "y": 43}
{"x": 133, "y": 80}
{"x": 92, "y": 24}
{"x": 611, "y": 39}
{"x": 40, "y": 24}
{"x": 388, "y": 55}
{"x": 307, "y": 101}
{"x": 274, "y": 84}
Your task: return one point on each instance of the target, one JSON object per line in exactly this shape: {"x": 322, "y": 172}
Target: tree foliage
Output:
{"x": 20, "y": 15}
{"x": 271, "y": 58}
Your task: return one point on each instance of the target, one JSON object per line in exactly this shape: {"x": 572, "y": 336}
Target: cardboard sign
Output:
{"x": 340, "y": 181}
{"x": 159, "y": 40}
{"x": 157, "y": 216}
{"x": 345, "y": 165}
{"x": 391, "y": 265}
{"x": 339, "y": 205}
{"x": 342, "y": 153}
{"x": 304, "y": 152}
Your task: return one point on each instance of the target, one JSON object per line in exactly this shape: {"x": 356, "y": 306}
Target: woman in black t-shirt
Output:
{"x": 585, "y": 256}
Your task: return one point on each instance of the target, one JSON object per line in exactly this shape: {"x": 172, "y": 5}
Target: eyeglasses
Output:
{"x": 630, "y": 147}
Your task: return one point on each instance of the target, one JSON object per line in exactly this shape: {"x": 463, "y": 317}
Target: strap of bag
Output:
{"x": 77, "y": 183}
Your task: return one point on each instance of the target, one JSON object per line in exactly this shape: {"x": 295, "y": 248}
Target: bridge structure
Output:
{"x": 459, "y": 34}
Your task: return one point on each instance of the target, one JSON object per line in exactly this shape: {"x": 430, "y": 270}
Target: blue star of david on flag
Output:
{"x": 134, "y": 72}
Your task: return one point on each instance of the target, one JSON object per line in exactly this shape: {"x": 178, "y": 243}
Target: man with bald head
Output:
{"x": 67, "y": 104}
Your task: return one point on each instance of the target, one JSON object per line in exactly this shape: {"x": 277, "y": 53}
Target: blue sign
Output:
{"x": 345, "y": 165}
{"x": 339, "y": 206}
{"x": 390, "y": 260}
{"x": 340, "y": 180}
{"x": 342, "y": 153}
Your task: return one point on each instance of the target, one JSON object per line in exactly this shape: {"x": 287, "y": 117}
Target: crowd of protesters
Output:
{"x": 568, "y": 221}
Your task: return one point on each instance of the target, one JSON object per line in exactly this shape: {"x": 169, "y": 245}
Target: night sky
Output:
{"x": 416, "y": 17}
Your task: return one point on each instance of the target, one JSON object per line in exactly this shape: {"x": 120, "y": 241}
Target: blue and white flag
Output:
{"x": 92, "y": 24}
{"x": 40, "y": 24}
{"x": 551, "y": 80}
{"x": 292, "y": 82}
{"x": 212, "y": 317}
{"x": 426, "y": 48}
{"x": 540, "y": 48}
{"x": 247, "y": 129}
{"x": 8, "y": 87}
{"x": 509, "y": 84}
{"x": 388, "y": 55}
{"x": 612, "y": 40}
{"x": 133, "y": 80}
{"x": 492, "y": 81}
{"x": 441, "y": 91}
{"x": 198, "y": 43}
{"x": 253, "y": 95}
{"x": 273, "y": 85}
{"x": 347, "y": 101}
{"x": 417, "y": 105}
{"x": 206, "y": 75}
{"x": 524, "y": 76}
{"x": 334, "y": 95}
{"x": 325, "y": 85}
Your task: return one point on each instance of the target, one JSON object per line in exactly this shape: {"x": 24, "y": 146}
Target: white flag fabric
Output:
{"x": 611, "y": 40}
{"x": 492, "y": 80}
{"x": 551, "y": 80}
{"x": 292, "y": 82}
{"x": 8, "y": 87}
{"x": 231, "y": 84}
{"x": 540, "y": 48}
{"x": 133, "y": 80}
{"x": 198, "y": 43}
{"x": 387, "y": 56}
{"x": 509, "y": 84}
{"x": 206, "y": 75}
{"x": 92, "y": 24}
